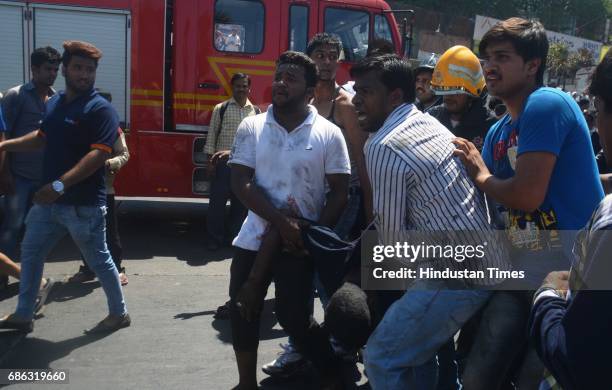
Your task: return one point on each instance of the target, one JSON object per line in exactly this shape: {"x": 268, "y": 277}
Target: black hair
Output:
{"x": 394, "y": 72}
{"x": 240, "y": 76}
{"x": 45, "y": 54}
{"x": 300, "y": 59}
{"x": 348, "y": 318}
{"x": 321, "y": 39}
{"x": 379, "y": 46}
{"x": 601, "y": 82}
{"x": 527, "y": 36}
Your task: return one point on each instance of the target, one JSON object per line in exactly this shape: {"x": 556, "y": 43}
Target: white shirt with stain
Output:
{"x": 290, "y": 167}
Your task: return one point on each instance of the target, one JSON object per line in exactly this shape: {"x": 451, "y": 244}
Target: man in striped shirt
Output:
{"x": 418, "y": 186}
{"x": 225, "y": 119}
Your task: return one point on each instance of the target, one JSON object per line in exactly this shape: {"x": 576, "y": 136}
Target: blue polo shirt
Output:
{"x": 71, "y": 131}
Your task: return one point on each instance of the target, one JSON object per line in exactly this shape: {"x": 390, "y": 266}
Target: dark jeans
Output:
{"x": 220, "y": 193}
{"x": 493, "y": 340}
{"x": 112, "y": 235}
{"x": 293, "y": 289}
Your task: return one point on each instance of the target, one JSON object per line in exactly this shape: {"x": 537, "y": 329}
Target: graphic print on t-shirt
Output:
{"x": 525, "y": 230}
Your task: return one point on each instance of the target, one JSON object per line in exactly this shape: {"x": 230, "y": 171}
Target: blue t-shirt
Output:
{"x": 551, "y": 122}
{"x": 71, "y": 131}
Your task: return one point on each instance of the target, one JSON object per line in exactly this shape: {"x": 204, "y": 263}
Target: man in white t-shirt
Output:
{"x": 233, "y": 42}
{"x": 281, "y": 162}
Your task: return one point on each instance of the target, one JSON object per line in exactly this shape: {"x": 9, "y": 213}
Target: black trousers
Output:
{"x": 112, "y": 234}
{"x": 220, "y": 192}
{"x": 293, "y": 290}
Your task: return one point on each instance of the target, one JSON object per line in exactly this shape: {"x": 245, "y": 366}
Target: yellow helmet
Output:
{"x": 458, "y": 71}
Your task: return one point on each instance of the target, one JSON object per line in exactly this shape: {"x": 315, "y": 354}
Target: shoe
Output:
{"x": 110, "y": 324}
{"x": 43, "y": 294}
{"x": 11, "y": 321}
{"x": 123, "y": 279}
{"x": 289, "y": 363}
{"x": 84, "y": 275}
{"x": 223, "y": 312}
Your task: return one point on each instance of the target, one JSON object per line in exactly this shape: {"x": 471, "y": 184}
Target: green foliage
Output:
{"x": 563, "y": 65}
{"x": 585, "y": 18}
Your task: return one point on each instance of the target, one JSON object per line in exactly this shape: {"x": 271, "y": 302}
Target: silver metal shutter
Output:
{"x": 107, "y": 30}
{"x": 13, "y": 70}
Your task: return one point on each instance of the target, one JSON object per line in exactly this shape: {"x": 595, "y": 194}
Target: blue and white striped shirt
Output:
{"x": 420, "y": 186}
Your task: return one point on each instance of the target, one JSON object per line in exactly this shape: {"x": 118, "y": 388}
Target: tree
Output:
{"x": 585, "y": 18}
{"x": 563, "y": 64}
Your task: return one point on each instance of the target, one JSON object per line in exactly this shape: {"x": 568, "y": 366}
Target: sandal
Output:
{"x": 11, "y": 322}
{"x": 83, "y": 275}
{"x": 223, "y": 312}
{"x": 41, "y": 298}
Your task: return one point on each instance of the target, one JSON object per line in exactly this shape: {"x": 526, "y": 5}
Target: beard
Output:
{"x": 290, "y": 103}
{"x": 78, "y": 88}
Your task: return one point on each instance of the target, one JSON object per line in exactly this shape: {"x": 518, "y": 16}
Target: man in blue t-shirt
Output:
{"x": 537, "y": 165}
{"x": 77, "y": 134}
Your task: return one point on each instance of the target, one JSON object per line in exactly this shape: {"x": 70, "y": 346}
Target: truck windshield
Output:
{"x": 353, "y": 28}
{"x": 382, "y": 30}
{"x": 239, "y": 26}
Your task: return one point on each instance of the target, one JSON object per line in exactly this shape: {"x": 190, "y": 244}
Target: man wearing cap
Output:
{"x": 77, "y": 134}
{"x": 426, "y": 98}
{"x": 458, "y": 78}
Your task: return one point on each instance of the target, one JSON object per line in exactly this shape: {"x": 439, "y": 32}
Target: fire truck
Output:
{"x": 167, "y": 63}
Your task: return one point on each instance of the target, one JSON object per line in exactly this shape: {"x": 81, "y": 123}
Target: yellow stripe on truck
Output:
{"x": 147, "y": 103}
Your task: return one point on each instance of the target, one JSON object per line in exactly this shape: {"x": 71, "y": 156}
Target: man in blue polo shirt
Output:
{"x": 77, "y": 134}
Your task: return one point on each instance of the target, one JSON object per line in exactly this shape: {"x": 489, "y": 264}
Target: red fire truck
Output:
{"x": 167, "y": 63}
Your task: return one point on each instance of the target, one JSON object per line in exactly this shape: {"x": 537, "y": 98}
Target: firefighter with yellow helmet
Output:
{"x": 458, "y": 78}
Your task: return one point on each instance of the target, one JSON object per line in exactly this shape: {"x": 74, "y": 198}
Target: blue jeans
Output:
{"x": 45, "y": 226}
{"x": 401, "y": 352}
{"x": 16, "y": 207}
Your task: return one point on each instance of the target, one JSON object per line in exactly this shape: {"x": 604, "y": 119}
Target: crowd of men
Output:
{"x": 460, "y": 143}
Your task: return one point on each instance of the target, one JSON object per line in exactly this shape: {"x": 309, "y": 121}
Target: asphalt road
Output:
{"x": 175, "y": 285}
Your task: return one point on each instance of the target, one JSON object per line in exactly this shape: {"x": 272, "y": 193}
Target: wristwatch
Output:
{"x": 58, "y": 187}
